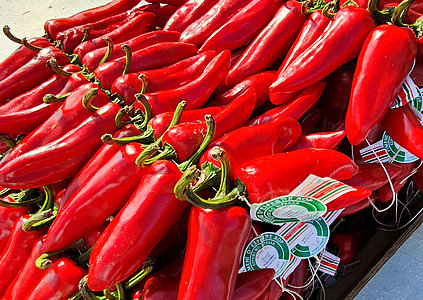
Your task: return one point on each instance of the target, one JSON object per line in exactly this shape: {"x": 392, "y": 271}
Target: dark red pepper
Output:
{"x": 350, "y": 243}
{"x": 251, "y": 285}
{"x": 359, "y": 206}
{"x": 162, "y": 16}
{"x": 310, "y": 122}
{"x": 385, "y": 192}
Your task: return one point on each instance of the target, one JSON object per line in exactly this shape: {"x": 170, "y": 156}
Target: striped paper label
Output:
{"x": 329, "y": 263}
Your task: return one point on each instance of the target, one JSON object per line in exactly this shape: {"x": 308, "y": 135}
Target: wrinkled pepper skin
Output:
{"x": 214, "y": 235}
{"x": 264, "y": 179}
{"x": 247, "y": 143}
{"x": 54, "y": 26}
{"x": 272, "y": 43}
{"x": 119, "y": 176}
{"x": 31, "y": 74}
{"x": 137, "y": 228}
{"x": 16, "y": 252}
{"x": 369, "y": 102}
{"x": 60, "y": 281}
{"x": 242, "y": 27}
{"x": 340, "y": 43}
{"x": 63, "y": 157}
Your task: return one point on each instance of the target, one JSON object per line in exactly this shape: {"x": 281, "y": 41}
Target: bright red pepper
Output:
{"x": 16, "y": 252}
{"x": 242, "y": 27}
{"x": 359, "y": 206}
{"x": 61, "y": 158}
{"x": 67, "y": 117}
{"x": 216, "y": 236}
{"x": 186, "y": 14}
{"x": 54, "y": 26}
{"x": 296, "y": 108}
{"x": 272, "y": 43}
{"x": 199, "y": 30}
{"x": 196, "y": 92}
{"x": 119, "y": 176}
{"x": 321, "y": 140}
{"x": 137, "y": 229}
{"x": 247, "y": 143}
{"x": 60, "y": 281}
{"x": 134, "y": 27}
{"x": 92, "y": 59}
{"x": 369, "y": 102}
{"x": 171, "y": 2}
{"x": 385, "y": 192}
{"x": 312, "y": 29}
{"x": 161, "y": 79}
{"x": 31, "y": 74}
{"x": 9, "y": 216}
{"x": 153, "y": 57}
{"x": 340, "y": 43}
{"x": 160, "y": 287}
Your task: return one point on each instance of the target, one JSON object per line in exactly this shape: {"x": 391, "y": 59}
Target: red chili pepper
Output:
{"x": 321, "y": 140}
{"x": 171, "y": 2}
{"x": 296, "y": 108}
{"x": 54, "y": 26}
{"x": 311, "y": 121}
{"x": 242, "y": 27}
{"x": 340, "y": 43}
{"x": 273, "y": 292}
{"x": 92, "y": 59}
{"x": 297, "y": 278}
{"x": 247, "y": 143}
{"x": 162, "y": 16}
{"x": 411, "y": 15}
{"x": 199, "y": 30}
{"x": 9, "y": 216}
{"x": 119, "y": 176}
{"x": 350, "y": 243}
{"x": 132, "y": 28}
{"x": 162, "y": 121}
{"x": 260, "y": 82}
{"x": 369, "y": 103}
{"x": 402, "y": 125}
{"x": 251, "y": 285}
{"x": 31, "y": 74}
{"x": 385, "y": 192}
{"x": 28, "y": 277}
{"x": 154, "y": 193}
{"x": 153, "y": 57}
{"x": 160, "y": 287}
{"x": 63, "y": 157}
{"x": 217, "y": 237}
{"x": 67, "y": 117}
{"x": 312, "y": 29}
{"x": 272, "y": 43}
{"x": 185, "y": 138}
{"x": 16, "y": 252}
{"x": 60, "y": 281}
{"x": 162, "y": 79}
{"x": 72, "y": 37}
{"x": 359, "y": 206}
{"x": 196, "y": 92}
{"x": 417, "y": 179}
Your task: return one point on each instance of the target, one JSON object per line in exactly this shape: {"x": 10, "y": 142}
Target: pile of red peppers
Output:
{"x": 136, "y": 140}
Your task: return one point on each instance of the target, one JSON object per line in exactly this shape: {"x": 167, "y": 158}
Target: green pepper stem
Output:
{"x": 108, "y": 51}
{"x": 400, "y": 12}
{"x": 44, "y": 261}
{"x": 40, "y": 220}
{"x": 76, "y": 296}
{"x": 7, "y": 140}
{"x": 25, "y": 42}
{"x": 88, "y": 98}
{"x": 10, "y": 36}
{"x": 144, "y": 83}
{"x": 24, "y": 198}
{"x": 86, "y": 293}
{"x": 86, "y": 35}
{"x": 108, "y": 294}
{"x": 187, "y": 177}
{"x": 146, "y": 268}
{"x": 50, "y": 98}
{"x": 119, "y": 117}
{"x": 53, "y": 65}
{"x": 128, "y": 55}
{"x": 166, "y": 152}
{"x": 381, "y": 17}
{"x": 148, "y": 112}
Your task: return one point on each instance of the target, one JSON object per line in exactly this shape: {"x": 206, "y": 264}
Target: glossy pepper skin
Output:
{"x": 199, "y": 30}
{"x": 60, "y": 281}
{"x": 321, "y": 140}
{"x": 31, "y": 74}
{"x": 92, "y": 59}
{"x": 136, "y": 227}
{"x": 340, "y": 43}
{"x": 134, "y": 27}
{"x": 195, "y": 93}
{"x": 251, "y": 285}
{"x": 166, "y": 78}
{"x": 9, "y": 217}
{"x": 402, "y": 125}
{"x": 247, "y": 143}
{"x": 119, "y": 176}
{"x": 21, "y": 56}
{"x": 163, "y": 13}
{"x": 369, "y": 102}
{"x": 64, "y": 157}
{"x": 16, "y": 252}
{"x": 54, "y": 26}
{"x": 153, "y": 57}
{"x": 242, "y": 27}
{"x": 296, "y": 108}
{"x": 216, "y": 236}
{"x": 67, "y": 117}
{"x": 186, "y": 138}
{"x": 272, "y": 43}
{"x": 28, "y": 277}
{"x": 313, "y": 27}
{"x": 264, "y": 179}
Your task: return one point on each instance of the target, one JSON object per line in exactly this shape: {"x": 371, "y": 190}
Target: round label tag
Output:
{"x": 288, "y": 209}
{"x": 314, "y": 241}
{"x": 266, "y": 251}
{"x": 395, "y": 151}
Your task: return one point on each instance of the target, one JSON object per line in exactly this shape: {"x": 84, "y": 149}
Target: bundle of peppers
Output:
{"x": 133, "y": 135}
